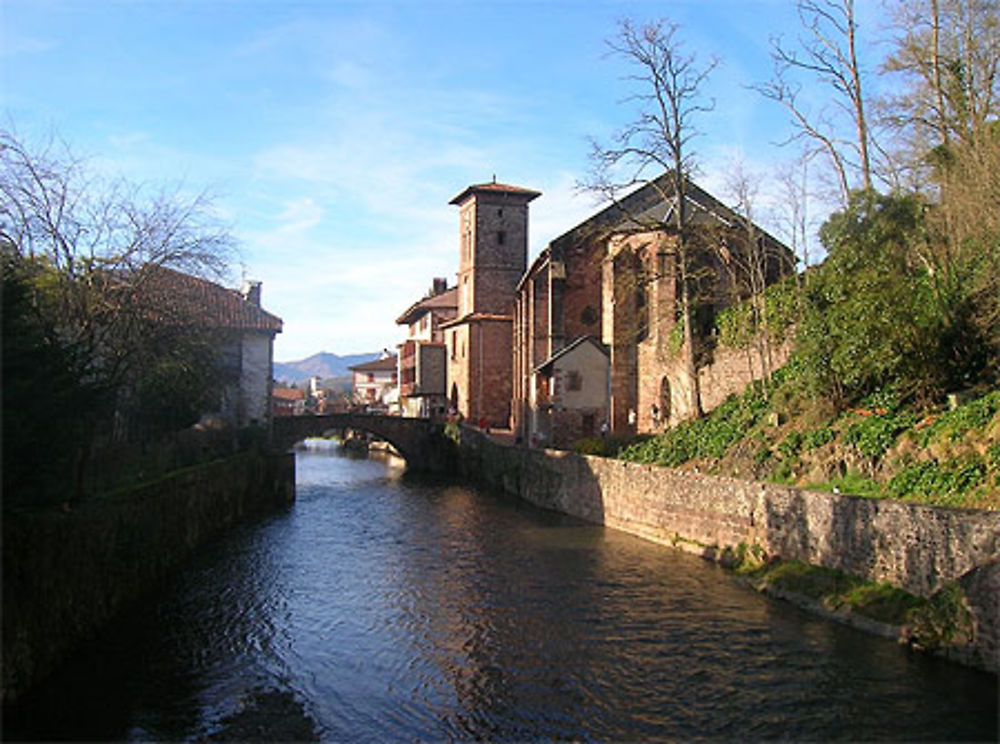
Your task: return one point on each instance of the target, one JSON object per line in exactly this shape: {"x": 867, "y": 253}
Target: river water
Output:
{"x": 383, "y": 608}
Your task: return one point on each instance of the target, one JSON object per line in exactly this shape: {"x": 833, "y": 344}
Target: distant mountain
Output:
{"x": 323, "y": 364}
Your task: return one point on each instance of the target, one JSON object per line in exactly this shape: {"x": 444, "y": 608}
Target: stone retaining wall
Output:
{"x": 919, "y": 548}
{"x": 66, "y": 574}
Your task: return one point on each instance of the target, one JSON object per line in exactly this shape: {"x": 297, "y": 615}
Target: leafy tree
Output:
{"x": 89, "y": 339}
{"x": 50, "y": 405}
{"x": 872, "y": 320}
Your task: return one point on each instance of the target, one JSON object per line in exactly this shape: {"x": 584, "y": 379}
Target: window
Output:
{"x": 642, "y": 310}
{"x": 501, "y": 236}
{"x": 371, "y": 377}
{"x": 453, "y": 342}
{"x": 574, "y": 380}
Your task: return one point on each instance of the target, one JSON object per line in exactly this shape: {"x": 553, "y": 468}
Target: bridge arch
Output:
{"x": 421, "y": 442}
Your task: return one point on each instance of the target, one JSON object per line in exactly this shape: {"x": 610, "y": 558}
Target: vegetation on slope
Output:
{"x": 892, "y": 390}
{"x": 879, "y": 448}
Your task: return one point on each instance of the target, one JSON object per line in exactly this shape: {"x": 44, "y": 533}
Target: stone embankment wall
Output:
{"x": 919, "y": 548}
{"x": 66, "y": 574}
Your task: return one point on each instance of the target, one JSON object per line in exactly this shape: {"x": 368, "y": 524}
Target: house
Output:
{"x": 375, "y": 385}
{"x": 493, "y": 250}
{"x": 559, "y": 300}
{"x": 288, "y": 401}
{"x": 423, "y": 357}
{"x": 615, "y": 277}
{"x": 570, "y": 397}
{"x": 243, "y": 334}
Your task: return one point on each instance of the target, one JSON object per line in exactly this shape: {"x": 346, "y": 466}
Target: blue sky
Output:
{"x": 333, "y": 134}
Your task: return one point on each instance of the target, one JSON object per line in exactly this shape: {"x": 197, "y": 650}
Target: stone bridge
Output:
{"x": 421, "y": 442}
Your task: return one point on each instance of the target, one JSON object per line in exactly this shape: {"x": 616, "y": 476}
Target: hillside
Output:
{"x": 324, "y": 364}
{"x": 939, "y": 455}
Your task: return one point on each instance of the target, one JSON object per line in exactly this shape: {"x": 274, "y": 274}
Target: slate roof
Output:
{"x": 175, "y": 295}
{"x": 651, "y": 203}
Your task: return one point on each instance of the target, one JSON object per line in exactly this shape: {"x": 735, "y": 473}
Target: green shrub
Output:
{"x": 791, "y": 446}
{"x": 938, "y": 480}
{"x": 953, "y": 425}
{"x": 738, "y": 325}
{"x": 993, "y": 458}
{"x": 710, "y": 436}
{"x": 874, "y": 435}
{"x": 942, "y": 620}
{"x": 883, "y": 602}
{"x": 853, "y": 483}
{"x": 782, "y": 474}
{"x": 590, "y": 446}
{"x": 605, "y": 446}
{"x": 817, "y": 438}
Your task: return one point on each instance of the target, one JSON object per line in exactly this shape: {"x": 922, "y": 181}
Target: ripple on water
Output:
{"x": 385, "y": 608}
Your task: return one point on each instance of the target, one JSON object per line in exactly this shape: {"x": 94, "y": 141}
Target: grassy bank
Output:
{"x": 943, "y": 454}
{"x": 930, "y": 624}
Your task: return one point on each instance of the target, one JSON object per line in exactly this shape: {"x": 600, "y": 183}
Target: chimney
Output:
{"x": 251, "y": 291}
{"x": 440, "y": 285}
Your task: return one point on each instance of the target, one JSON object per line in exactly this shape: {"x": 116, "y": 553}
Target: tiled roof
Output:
{"x": 495, "y": 188}
{"x": 175, "y": 295}
{"x": 444, "y": 300}
{"x": 289, "y": 394}
{"x": 376, "y": 365}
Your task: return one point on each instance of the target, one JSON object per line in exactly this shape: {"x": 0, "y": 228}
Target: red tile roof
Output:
{"x": 288, "y": 394}
{"x": 176, "y": 295}
{"x": 495, "y": 188}
{"x": 443, "y": 300}
{"x": 476, "y": 318}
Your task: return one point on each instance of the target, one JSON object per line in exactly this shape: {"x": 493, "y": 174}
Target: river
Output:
{"x": 382, "y": 608}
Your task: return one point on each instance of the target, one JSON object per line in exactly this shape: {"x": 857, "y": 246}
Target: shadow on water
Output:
{"x": 386, "y": 606}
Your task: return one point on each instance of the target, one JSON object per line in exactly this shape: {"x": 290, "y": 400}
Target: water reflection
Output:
{"x": 393, "y": 608}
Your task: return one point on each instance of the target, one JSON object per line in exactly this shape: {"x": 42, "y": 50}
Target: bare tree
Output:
{"x": 99, "y": 242}
{"x": 793, "y": 215}
{"x": 91, "y": 254}
{"x": 947, "y": 114}
{"x": 667, "y": 86}
{"x": 827, "y": 53}
{"x": 749, "y": 264}
{"x": 947, "y": 55}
